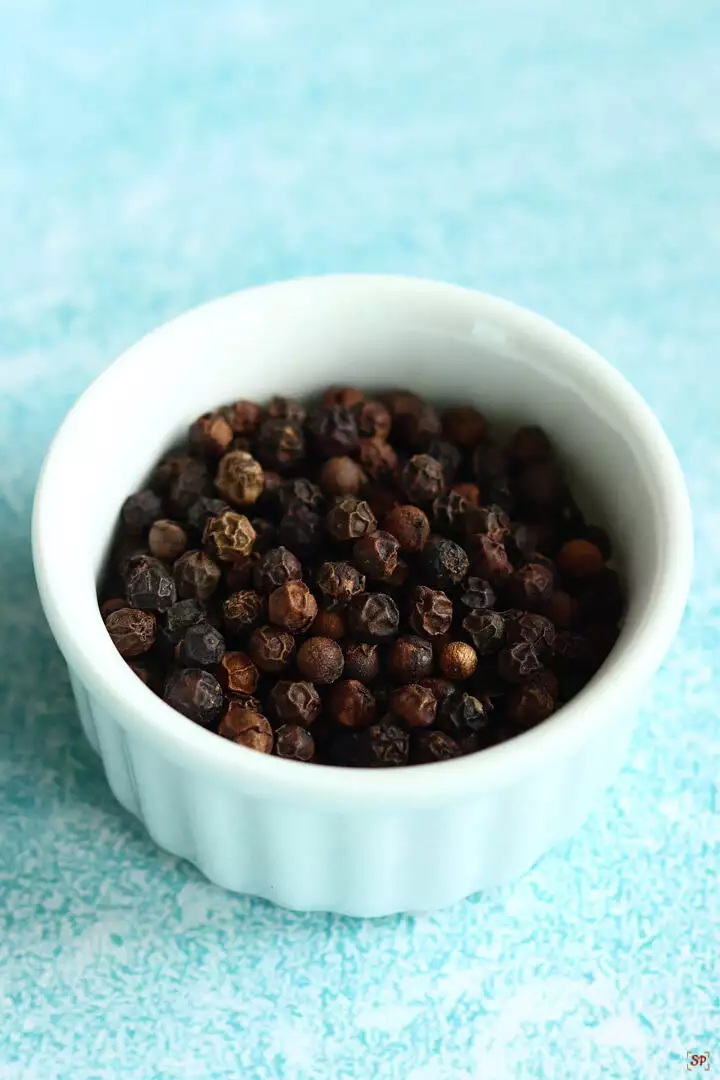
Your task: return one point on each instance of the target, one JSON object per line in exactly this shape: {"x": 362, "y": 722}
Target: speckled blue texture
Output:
{"x": 153, "y": 155}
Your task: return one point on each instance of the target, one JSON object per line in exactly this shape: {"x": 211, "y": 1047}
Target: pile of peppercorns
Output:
{"x": 364, "y": 582}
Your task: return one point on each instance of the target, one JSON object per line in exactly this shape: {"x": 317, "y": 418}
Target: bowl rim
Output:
{"x": 136, "y": 708}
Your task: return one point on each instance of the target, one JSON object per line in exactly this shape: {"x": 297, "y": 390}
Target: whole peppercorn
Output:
{"x": 341, "y": 476}
{"x": 376, "y": 554}
{"x": 410, "y": 527}
{"x": 478, "y": 595}
{"x": 449, "y": 456}
{"x": 429, "y": 746}
{"x": 374, "y": 616}
{"x": 270, "y": 649}
{"x": 149, "y": 586}
{"x": 487, "y": 521}
{"x": 422, "y": 479}
{"x": 350, "y": 519}
{"x": 464, "y": 426}
{"x": 196, "y": 575}
{"x": 530, "y": 703}
{"x": 416, "y": 705}
{"x": 400, "y": 402}
{"x": 196, "y": 694}
{"x": 294, "y": 743}
{"x": 445, "y": 563}
{"x": 269, "y": 501}
{"x": 280, "y": 444}
{"x": 321, "y": 660}
{"x": 294, "y": 702}
{"x": 334, "y": 430}
{"x": 203, "y": 509}
{"x": 351, "y": 704}
{"x": 237, "y": 673}
{"x": 431, "y": 611}
{"x": 191, "y": 481}
{"x": 562, "y": 610}
{"x": 573, "y": 651}
{"x": 276, "y": 567}
{"x": 286, "y": 408}
{"x": 301, "y": 531}
{"x": 373, "y": 419}
{"x": 132, "y": 631}
{"x": 181, "y": 616}
{"x": 347, "y": 396}
{"x": 458, "y": 660}
{"x": 385, "y": 744}
{"x": 292, "y": 606}
{"x": 490, "y": 559}
{"x": 487, "y": 630}
{"x": 531, "y": 585}
{"x": 470, "y": 492}
{"x": 165, "y": 472}
{"x": 229, "y": 537}
{"x": 115, "y": 603}
{"x": 167, "y": 539}
{"x": 242, "y": 416}
{"x": 240, "y": 478}
{"x": 410, "y": 659}
{"x": 202, "y": 646}
{"x": 463, "y": 712}
{"x": 361, "y": 661}
{"x": 448, "y": 512}
{"x": 242, "y": 610}
{"x": 377, "y": 457}
{"x": 340, "y": 581}
{"x": 140, "y": 510}
{"x": 211, "y": 434}
{"x": 299, "y": 490}
{"x": 246, "y": 728}
{"x": 540, "y": 485}
{"x": 489, "y": 465}
{"x": 238, "y": 575}
{"x": 266, "y": 535}
{"x": 330, "y": 624}
{"x": 518, "y": 662}
{"x": 529, "y": 444}
{"x": 418, "y": 428}
{"x": 535, "y": 630}
{"x": 580, "y": 559}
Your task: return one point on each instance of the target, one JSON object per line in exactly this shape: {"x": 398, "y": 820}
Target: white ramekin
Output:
{"x": 362, "y": 842}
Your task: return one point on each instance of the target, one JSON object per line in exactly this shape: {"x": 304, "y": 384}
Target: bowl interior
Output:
{"x": 296, "y": 338}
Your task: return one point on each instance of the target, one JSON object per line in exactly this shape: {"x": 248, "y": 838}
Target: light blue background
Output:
{"x": 152, "y": 155}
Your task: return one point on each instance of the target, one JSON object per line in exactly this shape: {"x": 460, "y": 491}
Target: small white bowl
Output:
{"x": 361, "y": 842}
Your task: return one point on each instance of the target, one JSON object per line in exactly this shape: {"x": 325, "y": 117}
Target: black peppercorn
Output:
{"x": 414, "y": 704}
{"x": 350, "y": 704}
{"x": 449, "y": 456}
{"x": 237, "y": 673}
{"x": 529, "y": 444}
{"x": 531, "y": 585}
{"x": 301, "y": 531}
{"x": 464, "y": 426}
{"x": 518, "y": 662}
{"x": 294, "y": 702}
{"x": 140, "y": 510}
{"x": 286, "y": 408}
{"x": 204, "y": 508}
{"x": 242, "y": 610}
{"x": 490, "y": 559}
{"x": 487, "y": 630}
{"x": 429, "y": 746}
{"x": 418, "y": 428}
{"x": 478, "y": 595}
{"x": 350, "y": 519}
{"x": 191, "y": 481}
{"x": 385, "y": 744}
{"x": 334, "y": 430}
{"x": 202, "y": 646}
{"x": 321, "y": 660}
{"x": 276, "y": 567}
{"x": 294, "y": 743}
{"x": 463, "y": 712}
{"x": 410, "y": 659}
{"x": 229, "y": 537}
{"x": 410, "y": 527}
{"x": 292, "y": 606}
{"x": 374, "y": 616}
{"x": 299, "y": 490}
{"x": 132, "y": 631}
{"x": 422, "y": 479}
{"x": 377, "y": 458}
{"x": 372, "y": 419}
{"x": 240, "y": 478}
{"x": 196, "y": 694}
{"x": 339, "y": 581}
{"x": 530, "y": 703}
{"x": 149, "y": 585}
{"x": 533, "y": 629}
{"x": 376, "y": 554}
{"x": 445, "y": 563}
{"x": 431, "y": 611}
{"x": 211, "y": 434}
{"x": 347, "y": 396}
{"x": 270, "y": 649}
{"x": 361, "y": 661}
{"x": 458, "y": 660}
{"x": 329, "y": 623}
{"x": 341, "y": 476}
{"x": 181, "y": 616}
{"x": 280, "y": 444}
{"x": 196, "y": 575}
{"x": 448, "y": 512}
{"x": 246, "y": 728}
{"x": 167, "y": 540}
{"x": 242, "y": 416}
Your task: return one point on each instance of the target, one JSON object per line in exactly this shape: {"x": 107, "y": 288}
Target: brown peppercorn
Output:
{"x": 346, "y": 396}
{"x": 376, "y": 554}
{"x": 400, "y": 402}
{"x": 415, "y": 704}
{"x": 294, "y": 702}
{"x": 341, "y": 476}
{"x": 238, "y": 575}
{"x": 350, "y": 519}
{"x": 361, "y": 661}
{"x": 321, "y": 660}
{"x": 536, "y": 630}
{"x": 458, "y": 661}
{"x": 464, "y": 426}
{"x": 410, "y": 527}
{"x": 385, "y": 744}
{"x": 237, "y": 673}
{"x": 374, "y": 616}
{"x": 292, "y": 606}
{"x": 270, "y": 649}
{"x": 246, "y": 728}
{"x": 431, "y": 611}
{"x": 490, "y": 559}
{"x": 441, "y": 689}
{"x": 334, "y": 430}
{"x": 350, "y": 704}
{"x": 429, "y": 746}
{"x": 410, "y": 659}
{"x": 340, "y": 581}
{"x": 242, "y": 610}
{"x": 518, "y": 662}
{"x": 294, "y": 743}
{"x": 280, "y": 444}
{"x": 418, "y": 428}
{"x": 580, "y": 559}
{"x": 242, "y": 416}
{"x": 377, "y": 457}
{"x": 531, "y": 585}
{"x": 115, "y": 603}
{"x": 196, "y": 694}
{"x": 530, "y": 703}
{"x": 470, "y": 492}
{"x": 277, "y": 567}
{"x": 422, "y": 479}
{"x": 211, "y": 434}
{"x": 132, "y": 631}
{"x": 240, "y": 478}
{"x": 286, "y": 408}
{"x": 540, "y": 486}
{"x": 529, "y": 443}
{"x": 196, "y": 575}
{"x": 448, "y": 513}
{"x": 562, "y": 609}
{"x": 486, "y": 521}
{"x": 229, "y": 537}
{"x": 330, "y": 624}
{"x": 167, "y": 540}
{"x": 373, "y": 420}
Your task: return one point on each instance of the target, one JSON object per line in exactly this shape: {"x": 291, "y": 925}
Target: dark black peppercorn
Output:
{"x": 410, "y": 659}
{"x": 294, "y": 743}
{"x": 429, "y": 746}
{"x": 276, "y": 567}
{"x": 149, "y": 586}
{"x": 464, "y": 712}
{"x": 294, "y": 702}
{"x": 280, "y": 445}
{"x": 271, "y": 650}
{"x": 334, "y": 430}
{"x": 518, "y": 662}
{"x": 361, "y": 661}
{"x": 287, "y": 408}
{"x": 196, "y": 575}
{"x": 181, "y": 616}
{"x": 373, "y": 616}
{"x": 132, "y": 631}
{"x": 242, "y": 416}
{"x": 242, "y": 610}
{"x": 487, "y": 630}
{"x": 350, "y": 519}
{"x": 377, "y": 458}
{"x": 191, "y": 481}
{"x": 418, "y": 428}
{"x": 372, "y": 419}
{"x": 464, "y": 426}
{"x": 266, "y": 535}
{"x": 490, "y": 559}
{"x": 203, "y": 508}
{"x": 211, "y": 434}
{"x": 300, "y": 490}
{"x": 202, "y": 646}
{"x": 196, "y": 694}
{"x": 448, "y": 513}
{"x": 445, "y": 563}
{"x": 533, "y": 629}
{"x": 301, "y": 531}
{"x": 531, "y": 585}
{"x": 339, "y": 581}
{"x": 385, "y": 744}
{"x": 530, "y": 703}
{"x": 478, "y": 595}
{"x": 140, "y": 510}
{"x": 376, "y": 554}
{"x": 321, "y": 660}
{"x": 422, "y": 479}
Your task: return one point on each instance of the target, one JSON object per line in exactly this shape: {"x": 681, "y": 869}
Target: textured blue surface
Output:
{"x": 566, "y": 155}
